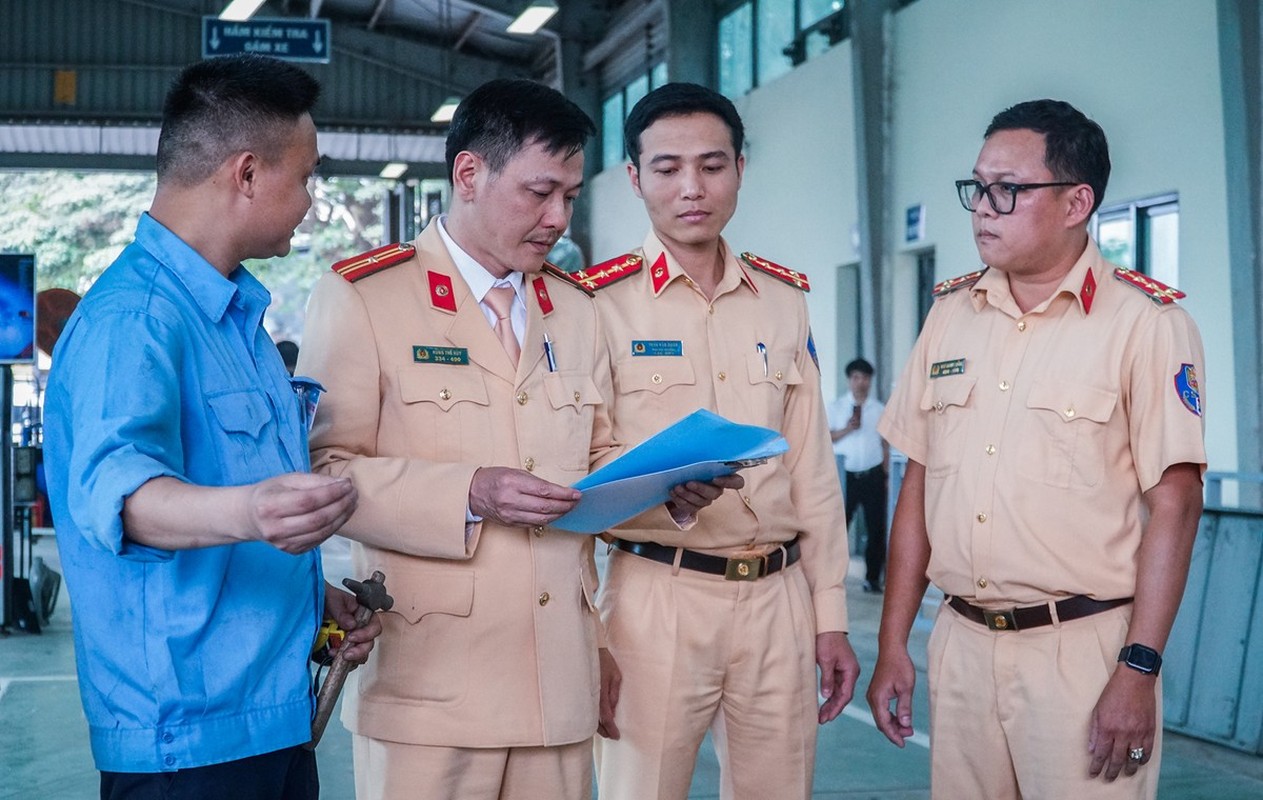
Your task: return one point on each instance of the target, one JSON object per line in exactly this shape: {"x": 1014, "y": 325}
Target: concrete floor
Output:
{"x": 44, "y": 744}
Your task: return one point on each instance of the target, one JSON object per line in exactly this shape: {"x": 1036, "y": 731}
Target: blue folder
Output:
{"x": 700, "y": 447}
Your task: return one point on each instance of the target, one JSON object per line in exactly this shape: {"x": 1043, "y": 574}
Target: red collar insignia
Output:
{"x": 441, "y": 295}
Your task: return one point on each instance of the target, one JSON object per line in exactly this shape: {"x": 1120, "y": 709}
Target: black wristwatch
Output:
{"x": 1141, "y": 658}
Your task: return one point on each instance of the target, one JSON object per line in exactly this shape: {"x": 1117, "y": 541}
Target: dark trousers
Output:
{"x": 867, "y": 490}
{"x": 288, "y": 774}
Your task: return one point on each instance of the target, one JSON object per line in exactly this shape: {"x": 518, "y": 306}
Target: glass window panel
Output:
{"x": 736, "y": 59}
{"x": 612, "y": 153}
{"x": 1162, "y": 243}
{"x": 1114, "y": 237}
{"x": 659, "y": 75}
{"x": 810, "y": 11}
{"x": 776, "y": 30}
{"x": 636, "y": 90}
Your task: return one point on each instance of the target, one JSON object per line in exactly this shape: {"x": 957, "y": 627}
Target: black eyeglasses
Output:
{"x": 1002, "y": 195}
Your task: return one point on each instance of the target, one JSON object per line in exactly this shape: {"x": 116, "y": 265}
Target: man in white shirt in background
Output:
{"x": 866, "y": 461}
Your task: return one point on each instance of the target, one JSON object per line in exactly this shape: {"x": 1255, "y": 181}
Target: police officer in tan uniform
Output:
{"x": 466, "y": 389}
{"x": 1051, "y": 412}
{"x": 720, "y": 626}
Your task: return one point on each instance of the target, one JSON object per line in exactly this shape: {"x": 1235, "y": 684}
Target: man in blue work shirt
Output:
{"x": 177, "y": 460}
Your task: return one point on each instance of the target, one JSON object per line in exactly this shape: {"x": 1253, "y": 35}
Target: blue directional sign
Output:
{"x": 284, "y": 38}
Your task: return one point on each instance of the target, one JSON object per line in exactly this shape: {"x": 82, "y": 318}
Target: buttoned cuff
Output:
{"x": 830, "y": 608}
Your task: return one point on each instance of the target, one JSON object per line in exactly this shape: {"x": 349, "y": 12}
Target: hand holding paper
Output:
{"x": 700, "y": 447}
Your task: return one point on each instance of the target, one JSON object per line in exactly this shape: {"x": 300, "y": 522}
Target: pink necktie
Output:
{"x": 500, "y": 300}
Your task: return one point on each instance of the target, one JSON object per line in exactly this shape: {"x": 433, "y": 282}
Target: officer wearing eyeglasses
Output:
{"x": 1051, "y": 411}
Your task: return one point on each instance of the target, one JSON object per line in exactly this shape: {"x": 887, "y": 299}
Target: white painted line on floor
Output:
{"x": 862, "y": 715}
{"x": 6, "y": 682}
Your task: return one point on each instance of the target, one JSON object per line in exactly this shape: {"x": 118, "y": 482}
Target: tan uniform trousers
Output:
{"x": 698, "y": 652}
{"x": 393, "y": 771}
{"x": 1010, "y": 711}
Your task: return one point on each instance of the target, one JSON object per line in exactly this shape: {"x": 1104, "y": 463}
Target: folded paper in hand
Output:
{"x": 700, "y": 447}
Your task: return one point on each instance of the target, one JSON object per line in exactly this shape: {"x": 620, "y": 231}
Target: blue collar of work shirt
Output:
{"x": 187, "y": 657}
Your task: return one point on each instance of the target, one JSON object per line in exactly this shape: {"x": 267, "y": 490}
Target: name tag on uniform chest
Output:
{"x": 657, "y": 347}
{"x": 425, "y": 354}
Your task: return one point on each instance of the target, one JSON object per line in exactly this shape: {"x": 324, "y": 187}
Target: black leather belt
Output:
{"x": 1017, "y": 619}
{"x": 733, "y": 569}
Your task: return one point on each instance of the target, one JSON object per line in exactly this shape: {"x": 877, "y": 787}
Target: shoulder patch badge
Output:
{"x": 796, "y": 279}
{"x": 563, "y": 276}
{"x": 608, "y": 272}
{"x": 959, "y": 282}
{"x": 1158, "y": 291}
{"x": 374, "y": 261}
{"x": 1187, "y": 390}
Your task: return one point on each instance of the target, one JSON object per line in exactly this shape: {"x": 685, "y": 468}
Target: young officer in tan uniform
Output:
{"x": 461, "y": 433}
{"x": 726, "y": 634}
{"x": 1052, "y": 416}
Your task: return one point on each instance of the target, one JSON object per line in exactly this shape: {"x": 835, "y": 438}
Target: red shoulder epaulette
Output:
{"x": 1157, "y": 291}
{"x": 373, "y": 261}
{"x": 608, "y": 272}
{"x": 566, "y": 278}
{"x": 959, "y": 282}
{"x": 796, "y": 279}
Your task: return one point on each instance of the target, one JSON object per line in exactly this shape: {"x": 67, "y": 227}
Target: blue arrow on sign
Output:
{"x": 284, "y": 38}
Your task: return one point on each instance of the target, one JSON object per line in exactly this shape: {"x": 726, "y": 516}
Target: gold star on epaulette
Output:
{"x": 1157, "y": 291}
{"x": 796, "y": 279}
{"x": 374, "y": 261}
{"x": 566, "y": 278}
{"x": 960, "y": 281}
{"x": 608, "y": 272}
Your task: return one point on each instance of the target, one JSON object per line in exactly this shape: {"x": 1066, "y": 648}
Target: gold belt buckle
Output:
{"x": 1000, "y": 620}
{"x": 745, "y": 569}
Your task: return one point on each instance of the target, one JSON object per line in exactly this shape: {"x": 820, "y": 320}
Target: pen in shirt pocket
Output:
{"x": 763, "y": 352}
{"x": 548, "y": 353}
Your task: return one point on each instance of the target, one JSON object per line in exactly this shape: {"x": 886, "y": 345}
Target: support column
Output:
{"x": 1241, "y": 76}
{"x": 870, "y": 49}
{"x": 691, "y": 53}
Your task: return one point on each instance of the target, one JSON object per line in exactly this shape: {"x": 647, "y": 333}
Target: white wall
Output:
{"x": 1147, "y": 70}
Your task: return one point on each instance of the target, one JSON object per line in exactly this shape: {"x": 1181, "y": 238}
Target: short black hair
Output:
{"x": 858, "y": 365}
{"x": 501, "y": 117}
{"x": 679, "y": 100}
{"x": 223, "y": 106}
{"x": 1075, "y": 148}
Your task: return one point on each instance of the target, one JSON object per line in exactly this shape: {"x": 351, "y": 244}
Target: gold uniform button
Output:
{"x": 939, "y": 406}
{"x": 982, "y": 517}
{"x": 990, "y": 449}
{"x": 530, "y": 465}
{"x": 1004, "y": 386}
{"x": 710, "y": 310}
{"x": 538, "y": 530}
{"x": 656, "y": 378}
{"x": 522, "y": 398}
{"x": 1069, "y": 413}
{"x": 779, "y": 375}
{"x": 723, "y": 376}
{"x": 544, "y": 598}
{"x": 1021, "y": 326}
{"x": 576, "y": 397}
{"x": 745, "y": 498}
{"x": 982, "y": 583}
{"x": 444, "y": 394}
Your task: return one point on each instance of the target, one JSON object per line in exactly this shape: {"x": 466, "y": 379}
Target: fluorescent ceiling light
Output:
{"x": 446, "y": 111}
{"x": 393, "y": 170}
{"x": 240, "y": 10}
{"x": 533, "y": 17}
